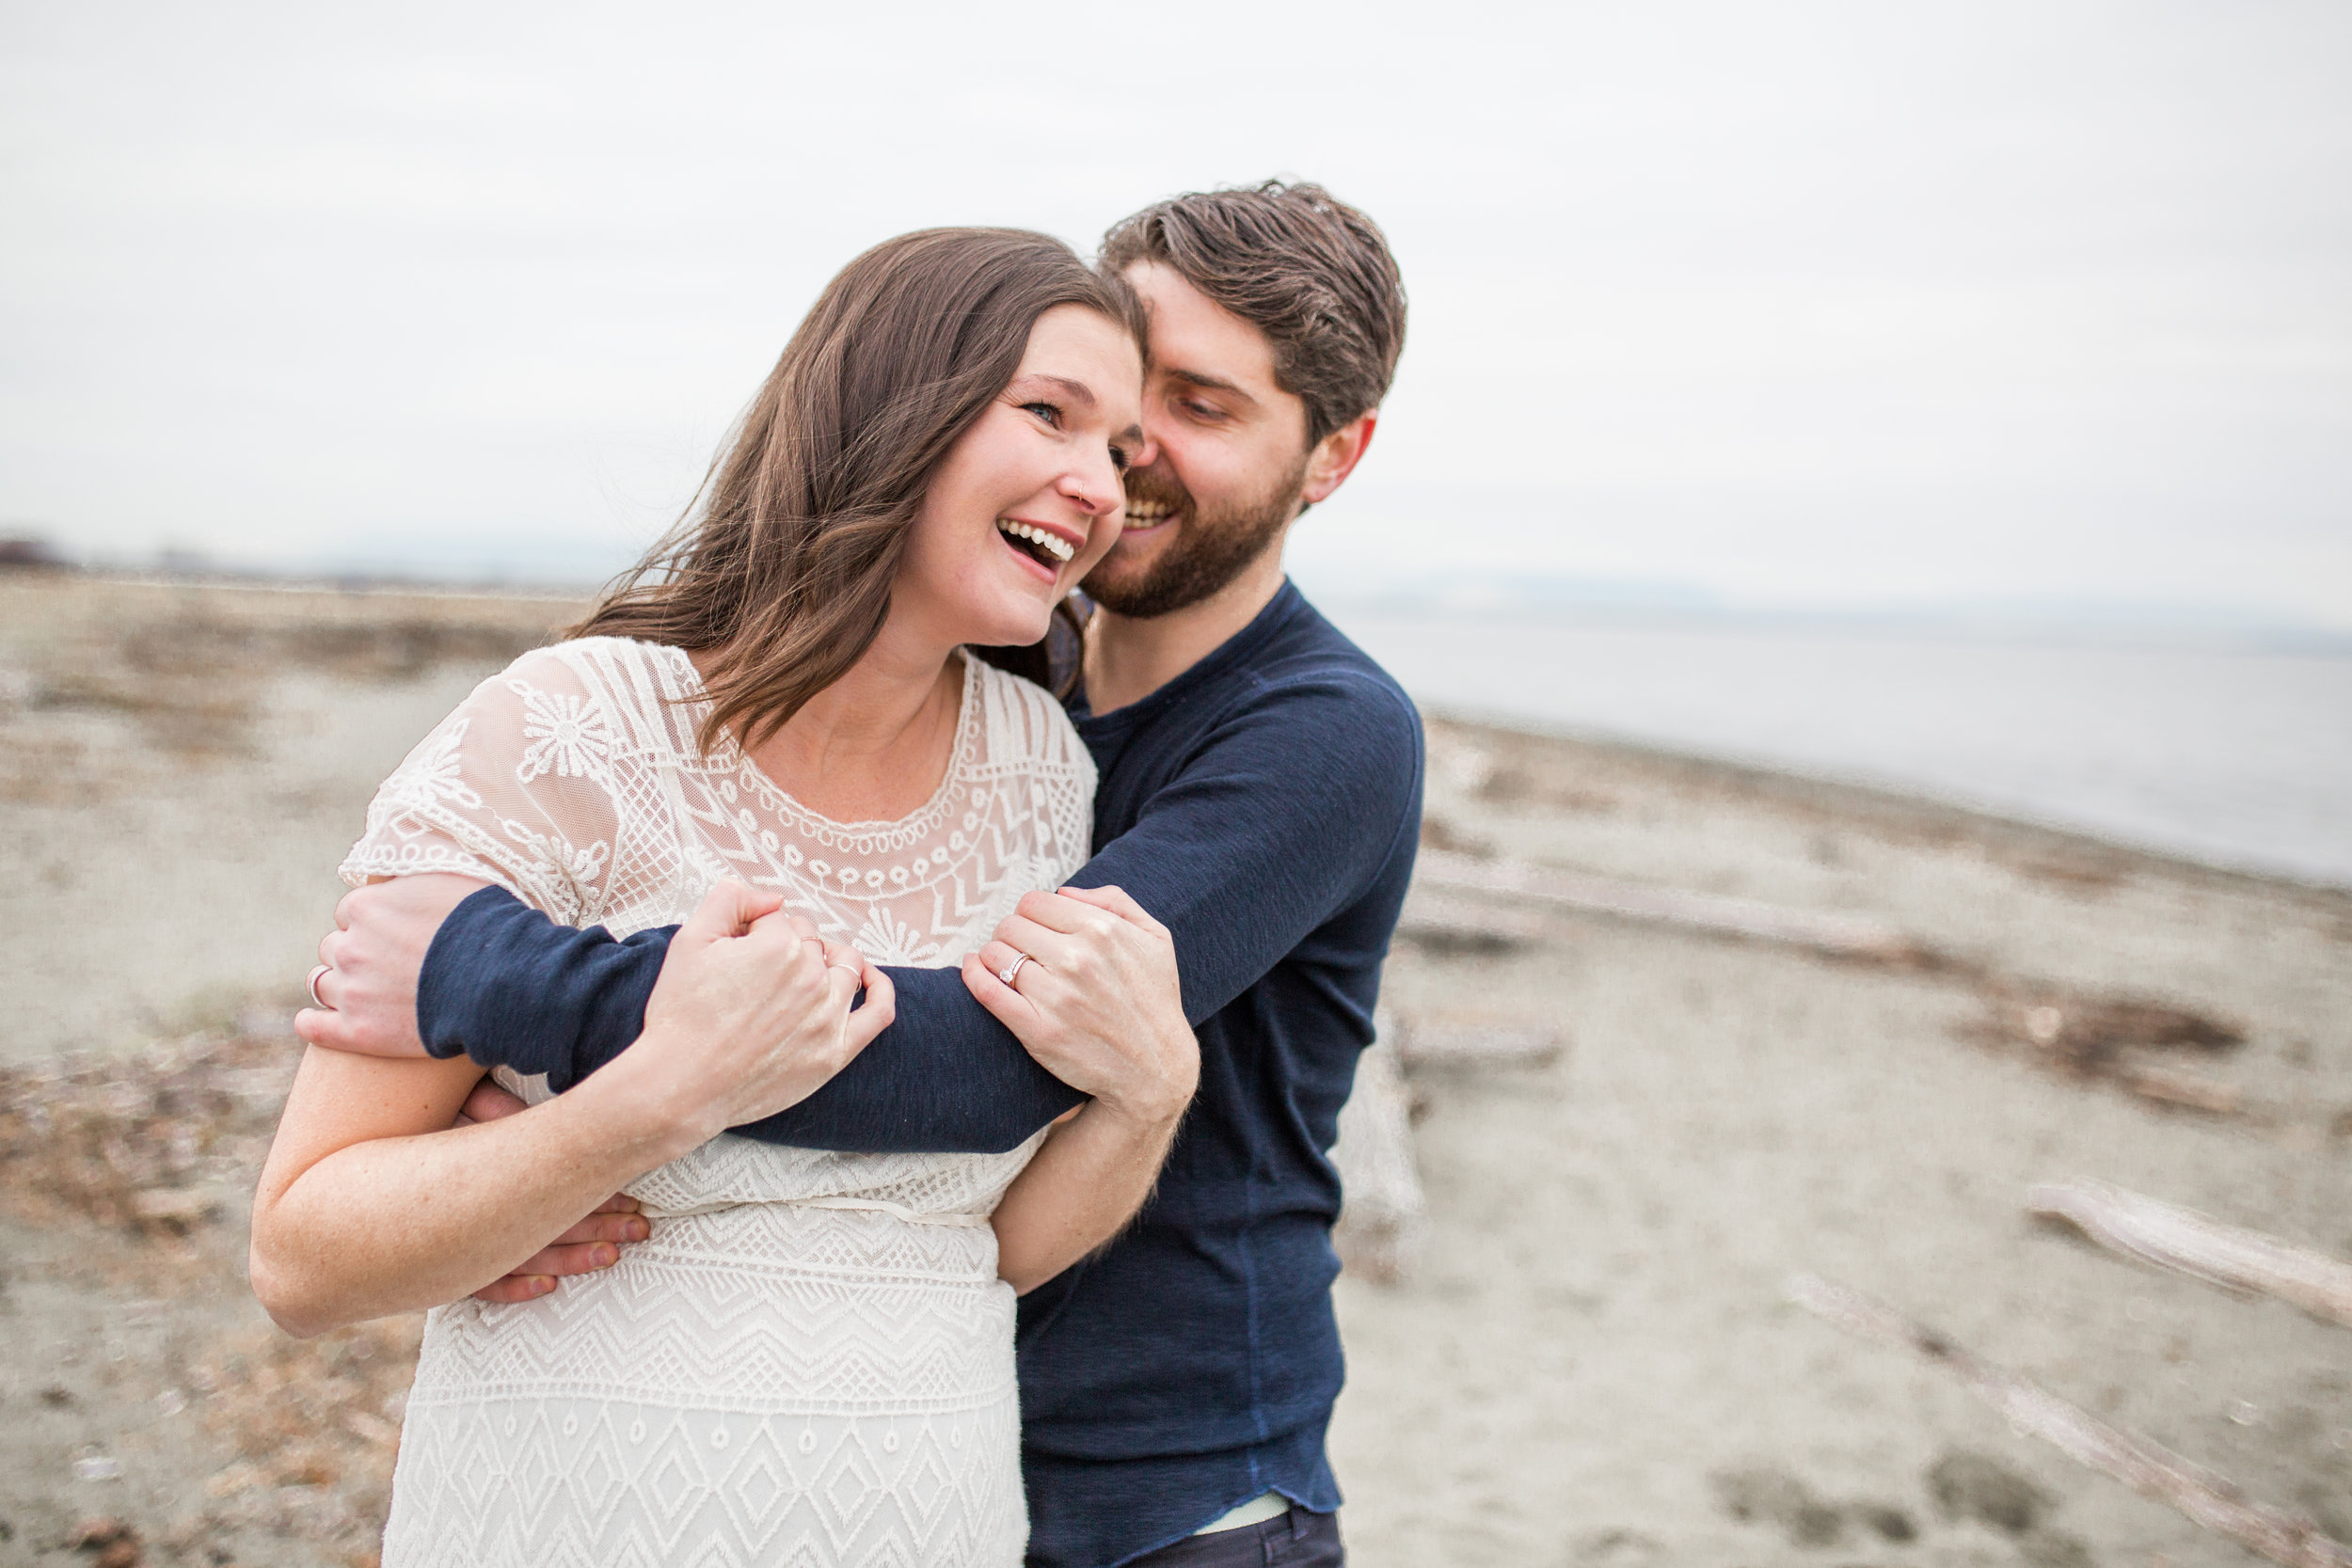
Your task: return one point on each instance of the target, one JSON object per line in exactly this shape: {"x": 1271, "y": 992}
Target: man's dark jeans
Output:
{"x": 1297, "y": 1539}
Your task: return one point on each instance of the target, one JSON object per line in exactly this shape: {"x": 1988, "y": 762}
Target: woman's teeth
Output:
{"x": 1051, "y": 544}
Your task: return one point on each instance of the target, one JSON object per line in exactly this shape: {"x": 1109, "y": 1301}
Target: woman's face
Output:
{"x": 1031, "y": 495}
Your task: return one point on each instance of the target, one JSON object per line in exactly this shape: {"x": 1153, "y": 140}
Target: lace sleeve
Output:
{"x": 515, "y": 786}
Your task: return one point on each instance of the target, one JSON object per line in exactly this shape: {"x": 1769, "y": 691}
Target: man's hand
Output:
{"x": 372, "y": 959}
{"x": 594, "y": 1243}
{"x": 1098, "y": 1004}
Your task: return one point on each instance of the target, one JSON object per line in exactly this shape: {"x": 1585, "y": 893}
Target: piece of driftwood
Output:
{"x": 2244, "y": 1262}
{"x": 1382, "y": 1212}
{"x": 1464, "y": 925}
{"x": 1469, "y": 1046}
{"x": 2147, "y": 1467}
{"x": 2109, "y": 1039}
{"x": 1839, "y": 936}
{"x": 2179, "y": 1088}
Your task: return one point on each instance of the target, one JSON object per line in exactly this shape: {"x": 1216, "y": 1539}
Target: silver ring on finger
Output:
{"x": 316, "y": 999}
{"x": 1012, "y": 968}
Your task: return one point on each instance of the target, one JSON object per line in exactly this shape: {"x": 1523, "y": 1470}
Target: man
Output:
{"x": 1259, "y": 796}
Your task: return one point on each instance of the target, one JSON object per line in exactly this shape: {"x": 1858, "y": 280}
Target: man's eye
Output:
{"x": 1046, "y": 411}
{"x": 1203, "y": 410}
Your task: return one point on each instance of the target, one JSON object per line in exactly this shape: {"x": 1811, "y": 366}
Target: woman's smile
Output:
{"x": 1043, "y": 546}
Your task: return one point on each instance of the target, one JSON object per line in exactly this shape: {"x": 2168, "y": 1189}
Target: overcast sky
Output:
{"x": 1799, "y": 304}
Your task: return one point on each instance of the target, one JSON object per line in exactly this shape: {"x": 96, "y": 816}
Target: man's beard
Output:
{"x": 1210, "y": 550}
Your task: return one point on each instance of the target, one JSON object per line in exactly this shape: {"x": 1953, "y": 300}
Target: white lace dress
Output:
{"x": 811, "y": 1361}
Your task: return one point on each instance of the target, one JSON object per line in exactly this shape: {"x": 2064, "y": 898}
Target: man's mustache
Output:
{"x": 1153, "y": 485}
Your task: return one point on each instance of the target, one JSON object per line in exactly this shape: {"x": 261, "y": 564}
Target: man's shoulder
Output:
{"x": 1312, "y": 663}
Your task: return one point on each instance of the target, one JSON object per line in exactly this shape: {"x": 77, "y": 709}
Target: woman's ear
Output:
{"x": 1336, "y": 455}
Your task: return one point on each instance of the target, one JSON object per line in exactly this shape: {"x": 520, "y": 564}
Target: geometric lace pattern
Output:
{"x": 811, "y": 1360}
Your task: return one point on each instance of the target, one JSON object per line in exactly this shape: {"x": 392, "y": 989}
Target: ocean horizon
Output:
{"x": 2224, "y": 743}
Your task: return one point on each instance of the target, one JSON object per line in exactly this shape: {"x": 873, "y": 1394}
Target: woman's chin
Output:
{"x": 1002, "y": 629}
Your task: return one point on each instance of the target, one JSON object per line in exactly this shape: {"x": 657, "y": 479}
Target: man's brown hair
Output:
{"x": 1310, "y": 272}
{"x": 785, "y": 565}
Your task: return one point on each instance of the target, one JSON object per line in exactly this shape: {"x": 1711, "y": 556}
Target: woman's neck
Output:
{"x": 874, "y": 745}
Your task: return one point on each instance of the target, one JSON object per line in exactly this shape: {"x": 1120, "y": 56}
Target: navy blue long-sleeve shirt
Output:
{"x": 1265, "y": 806}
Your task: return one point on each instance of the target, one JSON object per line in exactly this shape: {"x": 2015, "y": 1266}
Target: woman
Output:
{"x": 811, "y": 1360}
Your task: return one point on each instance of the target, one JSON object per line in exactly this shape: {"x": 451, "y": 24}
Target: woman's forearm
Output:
{"x": 1094, "y": 1174}
{"x": 397, "y": 1223}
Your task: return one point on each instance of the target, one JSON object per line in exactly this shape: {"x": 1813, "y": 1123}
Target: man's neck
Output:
{"x": 1127, "y": 658}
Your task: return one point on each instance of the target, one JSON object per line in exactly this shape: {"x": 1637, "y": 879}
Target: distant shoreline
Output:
{"x": 1883, "y": 806}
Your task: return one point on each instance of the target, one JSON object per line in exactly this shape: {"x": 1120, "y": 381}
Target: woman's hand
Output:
{"x": 1098, "y": 1004}
{"x": 751, "y": 1015}
{"x": 369, "y": 963}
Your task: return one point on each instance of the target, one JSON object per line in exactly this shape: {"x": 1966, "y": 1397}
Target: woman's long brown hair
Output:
{"x": 785, "y": 565}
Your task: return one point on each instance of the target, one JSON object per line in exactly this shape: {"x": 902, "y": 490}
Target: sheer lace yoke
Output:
{"x": 786, "y": 807}
{"x": 574, "y": 779}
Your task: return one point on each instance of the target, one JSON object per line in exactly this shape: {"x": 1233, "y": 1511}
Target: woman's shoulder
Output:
{"x": 1022, "y": 722}
{"x": 578, "y": 661}
{"x": 601, "y": 698}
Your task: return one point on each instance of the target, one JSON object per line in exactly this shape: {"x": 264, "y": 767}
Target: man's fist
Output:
{"x": 594, "y": 1243}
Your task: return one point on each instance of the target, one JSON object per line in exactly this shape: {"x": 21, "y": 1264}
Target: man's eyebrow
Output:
{"x": 1213, "y": 383}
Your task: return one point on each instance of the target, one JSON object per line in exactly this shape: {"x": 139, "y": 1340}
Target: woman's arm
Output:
{"x": 1099, "y": 1005}
{"x": 369, "y": 1203}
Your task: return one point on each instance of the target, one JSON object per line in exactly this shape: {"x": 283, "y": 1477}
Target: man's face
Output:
{"x": 1231, "y": 455}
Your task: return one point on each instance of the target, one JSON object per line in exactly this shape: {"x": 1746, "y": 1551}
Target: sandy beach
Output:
{"x": 1591, "y": 1360}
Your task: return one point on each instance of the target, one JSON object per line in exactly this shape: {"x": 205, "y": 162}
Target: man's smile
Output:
{"x": 1145, "y": 515}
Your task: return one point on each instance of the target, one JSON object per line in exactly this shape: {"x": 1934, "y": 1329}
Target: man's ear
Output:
{"x": 1336, "y": 455}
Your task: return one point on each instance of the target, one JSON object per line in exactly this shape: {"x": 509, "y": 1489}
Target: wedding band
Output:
{"x": 1013, "y": 967}
{"x": 316, "y": 999}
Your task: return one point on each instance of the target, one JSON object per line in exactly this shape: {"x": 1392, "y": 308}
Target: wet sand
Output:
{"x": 1590, "y": 1363}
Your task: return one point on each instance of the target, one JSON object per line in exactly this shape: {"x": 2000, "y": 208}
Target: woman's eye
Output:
{"x": 1119, "y": 459}
{"x": 1045, "y": 411}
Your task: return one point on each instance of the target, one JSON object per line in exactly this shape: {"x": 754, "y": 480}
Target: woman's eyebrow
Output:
{"x": 1077, "y": 391}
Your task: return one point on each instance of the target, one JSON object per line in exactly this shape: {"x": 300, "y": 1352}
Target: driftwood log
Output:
{"x": 1464, "y": 924}
{"x": 1839, "y": 936}
{"x": 2145, "y": 1466}
{"x": 2185, "y": 1242}
{"x": 1468, "y": 1045}
{"x": 1382, "y": 1214}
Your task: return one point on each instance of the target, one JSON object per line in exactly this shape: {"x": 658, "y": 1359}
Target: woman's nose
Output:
{"x": 1097, "y": 490}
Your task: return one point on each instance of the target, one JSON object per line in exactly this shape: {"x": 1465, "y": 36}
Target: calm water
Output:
{"x": 2238, "y": 756}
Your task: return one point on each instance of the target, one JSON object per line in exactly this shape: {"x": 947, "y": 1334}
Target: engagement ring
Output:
{"x": 1013, "y": 967}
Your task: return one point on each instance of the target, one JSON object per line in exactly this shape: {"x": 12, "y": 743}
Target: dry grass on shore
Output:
{"x": 230, "y": 1442}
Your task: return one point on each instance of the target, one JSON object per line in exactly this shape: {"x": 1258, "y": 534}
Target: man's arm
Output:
{"x": 1273, "y": 825}
{"x": 511, "y": 988}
